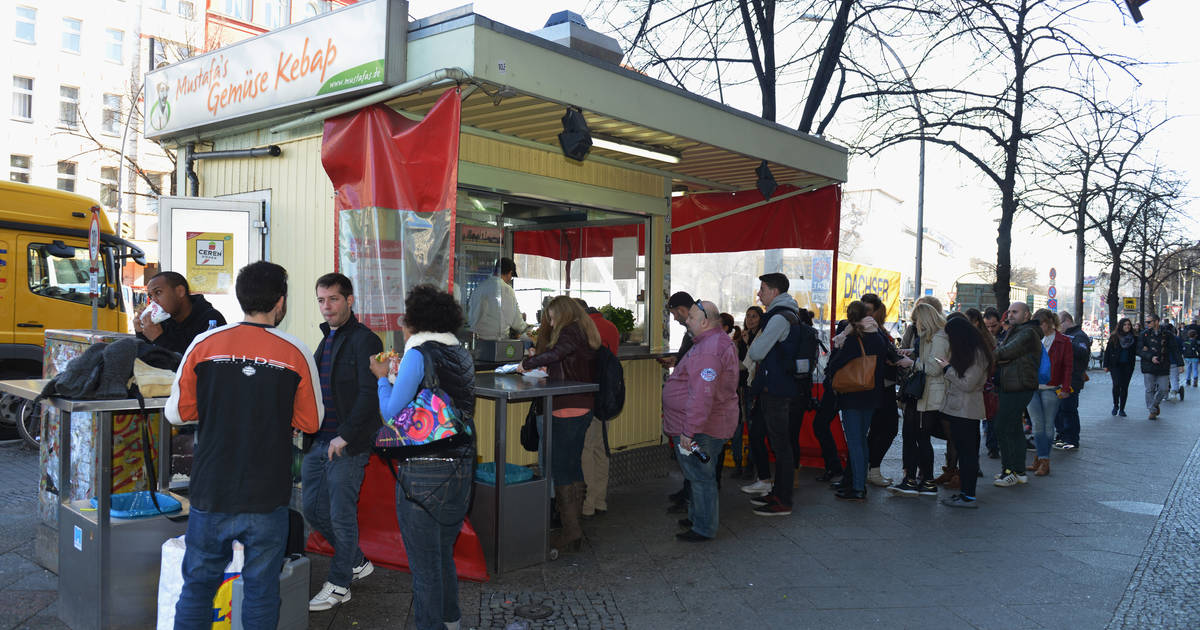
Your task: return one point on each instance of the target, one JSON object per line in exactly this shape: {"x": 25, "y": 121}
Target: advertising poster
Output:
{"x": 822, "y": 274}
{"x": 210, "y": 262}
{"x": 855, "y": 279}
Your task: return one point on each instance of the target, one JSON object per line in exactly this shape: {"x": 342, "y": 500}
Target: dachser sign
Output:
{"x": 348, "y": 51}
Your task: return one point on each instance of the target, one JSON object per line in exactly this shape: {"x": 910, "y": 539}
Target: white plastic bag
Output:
{"x": 170, "y": 581}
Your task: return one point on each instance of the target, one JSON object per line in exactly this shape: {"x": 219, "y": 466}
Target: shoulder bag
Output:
{"x": 428, "y": 424}
{"x": 858, "y": 375}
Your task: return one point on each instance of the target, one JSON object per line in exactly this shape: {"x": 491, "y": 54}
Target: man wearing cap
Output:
{"x": 493, "y": 312}
{"x": 679, "y": 305}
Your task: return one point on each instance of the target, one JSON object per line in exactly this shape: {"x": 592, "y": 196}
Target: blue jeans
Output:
{"x": 209, "y": 539}
{"x": 1043, "y": 407}
{"x": 989, "y": 436}
{"x": 1067, "y": 420}
{"x": 431, "y": 502}
{"x": 330, "y": 496}
{"x": 703, "y": 508}
{"x": 566, "y": 450}
{"x": 855, "y": 423}
{"x": 1193, "y": 369}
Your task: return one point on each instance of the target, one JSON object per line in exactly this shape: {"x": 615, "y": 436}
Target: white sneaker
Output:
{"x": 876, "y": 478}
{"x": 1007, "y": 481}
{"x": 762, "y": 486}
{"x": 329, "y": 597}
{"x": 363, "y": 570}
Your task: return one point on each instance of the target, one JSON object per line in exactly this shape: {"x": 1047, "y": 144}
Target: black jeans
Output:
{"x": 775, "y": 411}
{"x": 825, "y": 415}
{"x": 965, "y": 436}
{"x": 917, "y": 451}
{"x": 758, "y": 439}
{"x": 885, "y": 423}
{"x": 1121, "y": 375}
{"x": 566, "y": 453}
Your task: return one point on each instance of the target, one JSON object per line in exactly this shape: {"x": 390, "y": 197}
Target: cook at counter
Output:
{"x": 493, "y": 313}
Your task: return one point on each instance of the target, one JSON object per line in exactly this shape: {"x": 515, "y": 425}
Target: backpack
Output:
{"x": 803, "y": 341}
{"x": 610, "y": 399}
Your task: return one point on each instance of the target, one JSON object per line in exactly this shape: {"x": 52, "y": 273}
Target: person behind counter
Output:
{"x": 247, "y": 386}
{"x": 190, "y": 314}
{"x": 595, "y": 451}
{"x": 433, "y": 490}
{"x": 493, "y": 313}
{"x": 570, "y": 355}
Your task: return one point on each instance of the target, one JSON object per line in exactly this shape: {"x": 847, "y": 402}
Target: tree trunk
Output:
{"x": 1080, "y": 261}
{"x": 829, "y": 58}
{"x": 1114, "y": 294}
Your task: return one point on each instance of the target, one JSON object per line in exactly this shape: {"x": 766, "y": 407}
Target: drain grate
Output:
{"x": 550, "y": 609}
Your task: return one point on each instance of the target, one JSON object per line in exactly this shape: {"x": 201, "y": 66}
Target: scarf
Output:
{"x": 1126, "y": 341}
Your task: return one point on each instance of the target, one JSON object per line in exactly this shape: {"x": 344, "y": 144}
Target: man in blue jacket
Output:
{"x": 336, "y": 455}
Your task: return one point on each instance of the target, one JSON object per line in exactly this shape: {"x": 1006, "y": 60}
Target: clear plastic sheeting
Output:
{"x": 387, "y": 252}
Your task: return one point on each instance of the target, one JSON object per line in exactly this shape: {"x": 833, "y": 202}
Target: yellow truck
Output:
{"x": 44, "y": 283}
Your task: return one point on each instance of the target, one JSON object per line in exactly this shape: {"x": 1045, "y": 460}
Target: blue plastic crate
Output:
{"x": 486, "y": 473}
{"x": 139, "y": 505}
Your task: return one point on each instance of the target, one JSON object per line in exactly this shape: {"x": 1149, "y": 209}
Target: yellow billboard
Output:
{"x": 853, "y": 280}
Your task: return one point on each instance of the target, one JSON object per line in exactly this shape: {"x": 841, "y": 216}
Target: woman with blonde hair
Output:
{"x": 929, "y": 344}
{"x": 569, "y": 354}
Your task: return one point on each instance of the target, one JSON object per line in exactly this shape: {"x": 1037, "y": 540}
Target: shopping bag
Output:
{"x": 170, "y": 585}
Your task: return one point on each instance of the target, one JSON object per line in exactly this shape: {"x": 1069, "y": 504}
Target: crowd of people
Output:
{"x": 250, "y": 389}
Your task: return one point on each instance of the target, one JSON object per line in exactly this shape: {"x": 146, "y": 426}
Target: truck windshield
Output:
{"x": 61, "y": 278}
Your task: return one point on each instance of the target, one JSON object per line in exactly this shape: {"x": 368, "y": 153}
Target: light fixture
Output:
{"x": 630, "y": 148}
{"x": 766, "y": 181}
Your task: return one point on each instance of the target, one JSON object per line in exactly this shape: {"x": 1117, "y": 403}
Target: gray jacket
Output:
{"x": 776, "y": 329}
{"x": 964, "y": 393}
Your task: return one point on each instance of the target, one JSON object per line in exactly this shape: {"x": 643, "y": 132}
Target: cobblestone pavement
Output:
{"x": 1162, "y": 592}
{"x": 1109, "y": 539}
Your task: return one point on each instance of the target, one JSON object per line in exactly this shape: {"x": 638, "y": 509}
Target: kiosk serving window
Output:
{"x": 559, "y": 249}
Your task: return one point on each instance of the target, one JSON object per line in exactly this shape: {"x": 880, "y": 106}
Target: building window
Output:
{"x": 26, "y": 24}
{"x": 161, "y": 5}
{"x": 22, "y": 98}
{"x": 114, "y": 45}
{"x": 18, "y": 168}
{"x": 273, "y": 14}
{"x": 239, "y": 9}
{"x": 311, "y": 10}
{"x": 186, "y": 10}
{"x": 111, "y": 122}
{"x": 68, "y": 106}
{"x": 108, "y": 186}
{"x": 70, "y": 36}
{"x": 66, "y": 176}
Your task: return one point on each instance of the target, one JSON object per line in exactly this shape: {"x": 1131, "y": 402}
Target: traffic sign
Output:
{"x": 1130, "y": 303}
{"x": 1052, "y": 303}
{"x": 1053, "y": 273}
{"x": 94, "y": 236}
{"x": 1053, "y": 292}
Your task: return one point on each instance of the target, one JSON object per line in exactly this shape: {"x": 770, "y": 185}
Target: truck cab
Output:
{"x": 44, "y": 283}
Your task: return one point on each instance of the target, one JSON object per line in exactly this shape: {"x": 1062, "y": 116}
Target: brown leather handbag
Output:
{"x": 858, "y": 375}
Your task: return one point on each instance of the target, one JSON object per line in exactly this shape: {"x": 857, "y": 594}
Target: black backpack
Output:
{"x": 610, "y": 399}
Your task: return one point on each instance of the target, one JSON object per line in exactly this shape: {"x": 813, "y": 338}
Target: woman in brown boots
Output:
{"x": 569, "y": 355}
{"x": 1054, "y": 384}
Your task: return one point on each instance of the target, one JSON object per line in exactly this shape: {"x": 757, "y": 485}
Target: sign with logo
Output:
{"x": 822, "y": 274}
{"x": 210, "y": 261}
{"x": 1052, "y": 292}
{"x": 1052, "y": 303}
{"x": 855, "y": 279}
{"x": 1129, "y": 303}
{"x": 350, "y": 50}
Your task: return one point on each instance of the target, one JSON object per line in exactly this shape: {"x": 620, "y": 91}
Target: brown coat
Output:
{"x": 570, "y": 359}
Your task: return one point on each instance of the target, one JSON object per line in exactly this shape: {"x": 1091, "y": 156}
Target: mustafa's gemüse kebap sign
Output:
{"x": 297, "y": 67}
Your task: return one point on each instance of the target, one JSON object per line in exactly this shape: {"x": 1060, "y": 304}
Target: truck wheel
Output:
{"x": 10, "y": 406}
{"x": 30, "y": 424}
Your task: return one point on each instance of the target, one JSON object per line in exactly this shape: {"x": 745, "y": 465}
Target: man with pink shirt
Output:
{"x": 700, "y": 413}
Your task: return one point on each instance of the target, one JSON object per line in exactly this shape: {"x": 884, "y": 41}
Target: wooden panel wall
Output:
{"x": 640, "y": 423}
{"x": 552, "y": 164}
{"x": 302, "y": 236}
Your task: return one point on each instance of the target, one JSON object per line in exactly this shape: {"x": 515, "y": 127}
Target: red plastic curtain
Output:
{"x": 805, "y": 221}
{"x": 575, "y": 243}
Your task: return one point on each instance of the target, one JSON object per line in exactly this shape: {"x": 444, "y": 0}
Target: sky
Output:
{"x": 955, "y": 191}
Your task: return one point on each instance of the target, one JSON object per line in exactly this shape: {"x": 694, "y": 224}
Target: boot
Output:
{"x": 1044, "y": 469}
{"x": 1036, "y": 465}
{"x": 947, "y": 473}
{"x": 570, "y": 510}
{"x": 953, "y": 483}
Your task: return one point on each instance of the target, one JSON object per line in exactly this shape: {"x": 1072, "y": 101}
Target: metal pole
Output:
{"x": 920, "y": 217}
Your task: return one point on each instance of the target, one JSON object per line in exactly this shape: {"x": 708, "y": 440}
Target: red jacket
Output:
{"x": 609, "y": 335}
{"x": 700, "y": 396}
{"x": 1062, "y": 361}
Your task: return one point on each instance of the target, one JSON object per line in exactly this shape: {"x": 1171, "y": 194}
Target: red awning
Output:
{"x": 576, "y": 243}
{"x": 804, "y": 221}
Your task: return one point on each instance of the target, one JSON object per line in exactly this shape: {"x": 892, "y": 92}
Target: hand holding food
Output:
{"x": 385, "y": 364}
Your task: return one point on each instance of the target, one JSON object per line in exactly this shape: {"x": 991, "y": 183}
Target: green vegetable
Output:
{"x": 622, "y": 318}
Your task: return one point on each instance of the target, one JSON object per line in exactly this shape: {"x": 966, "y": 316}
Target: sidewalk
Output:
{"x": 1108, "y": 539}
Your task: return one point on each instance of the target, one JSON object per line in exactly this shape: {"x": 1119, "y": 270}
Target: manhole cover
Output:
{"x": 533, "y": 611}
